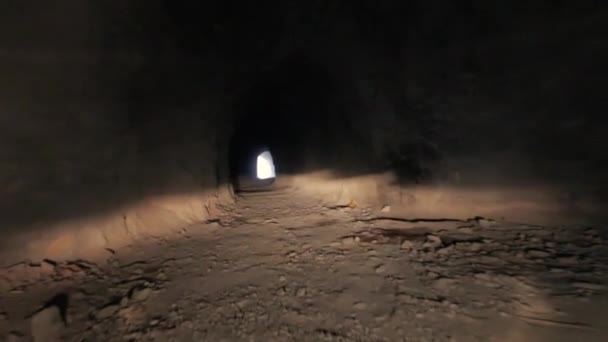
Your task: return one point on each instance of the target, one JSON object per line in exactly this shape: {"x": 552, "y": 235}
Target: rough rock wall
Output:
{"x": 104, "y": 140}
{"x": 515, "y": 113}
{"x": 477, "y": 108}
{"x": 116, "y": 117}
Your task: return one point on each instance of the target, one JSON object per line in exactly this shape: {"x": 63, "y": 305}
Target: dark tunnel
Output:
{"x": 175, "y": 99}
{"x": 439, "y": 170}
{"x": 292, "y": 111}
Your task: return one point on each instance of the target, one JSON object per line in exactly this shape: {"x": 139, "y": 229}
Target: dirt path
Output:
{"x": 275, "y": 273}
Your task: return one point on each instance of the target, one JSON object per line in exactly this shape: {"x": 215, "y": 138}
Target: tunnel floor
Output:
{"x": 279, "y": 267}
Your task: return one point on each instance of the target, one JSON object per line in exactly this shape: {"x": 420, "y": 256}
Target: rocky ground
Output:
{"x": 269, "y": 272}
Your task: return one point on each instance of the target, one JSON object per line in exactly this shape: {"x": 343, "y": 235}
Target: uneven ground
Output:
{"x": 282, "y": 268}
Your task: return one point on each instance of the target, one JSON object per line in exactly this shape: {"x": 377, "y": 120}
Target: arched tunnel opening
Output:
{"x": 291, "y": 111}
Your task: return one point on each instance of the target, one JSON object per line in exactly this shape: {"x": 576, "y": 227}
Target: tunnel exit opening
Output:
{"x": 286, "y": 117}
{"x": 265, "y": 166}
{"x": 252, "y": 165}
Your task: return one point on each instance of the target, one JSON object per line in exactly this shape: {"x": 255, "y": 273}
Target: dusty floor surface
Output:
{"x": 269, "y": 272}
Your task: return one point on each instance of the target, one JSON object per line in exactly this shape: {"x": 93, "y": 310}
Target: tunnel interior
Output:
{"x": 292, "y": 111}
{"x": 426, "y": 103}
{"x": 434, "y": 159}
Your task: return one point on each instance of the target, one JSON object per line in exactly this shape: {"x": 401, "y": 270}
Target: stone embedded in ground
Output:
{"x": 133, "y": 314}
{"x": 434, "y": 239}
{"x": 432, "y": 275}
{"x": 485, "y": 223}
{"x": 47, "y": 325}
{"x": 483, "y": 276}
{"x": 534, "y": 253}
{"x": 15, "y": 336}
{"x": 243, "y": 303}
{"x": 407, "y": 245}
{"x": 444, "y": 283}
{"x": 349, "y": 241}
{"x": 589, "y": 286}
{"x": 490, "y": 260}
{"x": 41, "y": 269}
{"x": 141, "y": 294}
{"x": 187, "y": 324}
{"x": 475, "y": 247}
{"x": 47, "y": 267}
{"x": 360, "y": 306}
{"x": 5, "y": 285}
{"x": 134, "y": 336}
{"x": 466, "y": 230}
{"x": 445, "y": 250}
{"x": 433, "y": 242}
{"x": 107, "y": 311}
{"x": 550, "y": 244}
{"x": 70, "y": 269}
{"x": 591, "y": 231}
{"x": 571, "y": 260}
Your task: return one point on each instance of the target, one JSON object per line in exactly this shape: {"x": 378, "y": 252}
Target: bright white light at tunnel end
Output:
{"x": 265, "y": 166}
